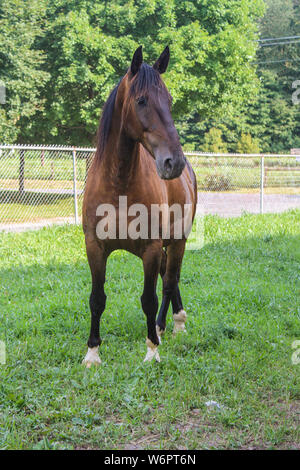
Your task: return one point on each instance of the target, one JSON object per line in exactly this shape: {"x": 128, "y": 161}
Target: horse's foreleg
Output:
{"x": 97, "y": 261}
{"x": 151, "y": 262}
{"x": 170, "y": 272}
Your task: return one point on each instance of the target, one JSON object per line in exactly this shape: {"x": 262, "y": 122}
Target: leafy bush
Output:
{"x": 247, "y": 144}
{"x": 213, "y": 141}
{"x": 217, "y": 182}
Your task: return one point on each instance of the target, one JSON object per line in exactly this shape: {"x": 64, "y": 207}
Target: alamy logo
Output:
{"x": 2, "y": 353}
{"x": 2, "y": 93}
{"x": 296, "y": 93}
{"x": 296, "y": 353}
{"x": 137, "y": 221}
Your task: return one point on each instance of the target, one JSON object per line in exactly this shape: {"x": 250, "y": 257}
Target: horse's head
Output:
{"x": 146, "y": 114}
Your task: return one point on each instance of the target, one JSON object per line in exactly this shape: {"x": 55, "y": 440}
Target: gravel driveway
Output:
{"x": 223, "y": 204}
{"x": 234, "y": 204}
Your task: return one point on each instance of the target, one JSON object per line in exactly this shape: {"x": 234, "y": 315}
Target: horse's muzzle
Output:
{"x": 169, "y": 167}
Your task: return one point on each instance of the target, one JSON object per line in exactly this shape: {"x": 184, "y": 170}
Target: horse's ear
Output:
{"x": 162, "y": 62}
{"x": 137, "y": 61}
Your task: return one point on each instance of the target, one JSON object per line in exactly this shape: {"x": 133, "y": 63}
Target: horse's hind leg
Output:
{"x": 161, "y": 319}
{"x": 97, "y": 260}
{"x": 179, "y": 314}
{"x": 151, "y": 262}
{"x": 170, "y": 273}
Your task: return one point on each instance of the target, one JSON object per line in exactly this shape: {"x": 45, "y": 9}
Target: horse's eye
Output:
{"x": 142, "y": 101}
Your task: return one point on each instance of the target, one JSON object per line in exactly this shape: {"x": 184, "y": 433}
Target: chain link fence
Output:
{"x": 45, "y": 185}
{"x": 232, "y": 184}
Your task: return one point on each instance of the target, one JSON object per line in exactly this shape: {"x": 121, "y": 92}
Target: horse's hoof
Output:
{"x": 179, "y": 322}
{"x": 92, "y": 357}
{"x": 152, "y": 351}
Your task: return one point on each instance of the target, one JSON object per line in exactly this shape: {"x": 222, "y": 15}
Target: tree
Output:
{"x": 282, "y": 18}
{"x": 20, "y": 66}
{"x": 89, "y": 46}
{"x": 247, "y": 145}
{"x": 269, "y": 117}
{"x": 213, "y": 141}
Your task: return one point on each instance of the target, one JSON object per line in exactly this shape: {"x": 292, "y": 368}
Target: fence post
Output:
{"x": 75, "y": 186}
{"x": 22, "y": 171}
{"x": 262, "y": 177}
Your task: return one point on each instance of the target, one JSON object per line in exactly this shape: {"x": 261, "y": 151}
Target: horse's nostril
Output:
{"x": 168, "y": 164}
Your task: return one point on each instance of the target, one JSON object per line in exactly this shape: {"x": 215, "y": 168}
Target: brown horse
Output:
{"x": 138, "y": 156}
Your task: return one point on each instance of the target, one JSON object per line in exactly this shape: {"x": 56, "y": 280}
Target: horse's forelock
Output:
{"x": 144, "y": 81}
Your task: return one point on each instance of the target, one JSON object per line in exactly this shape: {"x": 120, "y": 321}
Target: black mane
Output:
{"x": 105, "y": 121}
{"x": 146, "y": 78}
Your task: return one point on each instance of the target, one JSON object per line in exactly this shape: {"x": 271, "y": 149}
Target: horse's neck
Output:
{"x": 122, "y": 156}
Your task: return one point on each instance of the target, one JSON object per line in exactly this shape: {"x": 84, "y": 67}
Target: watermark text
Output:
{"x": 296, "y": 353}
{"x": 157, "y": 221}
{"x": 2, "y": 93}
{"x": 2, "y": 353}
{"x": 296, "y": 93}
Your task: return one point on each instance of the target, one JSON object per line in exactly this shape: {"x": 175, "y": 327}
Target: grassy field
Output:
{"x": 241, "y": 293}
{"x": 55, "y": 167}
{"x": 34, "y": 207}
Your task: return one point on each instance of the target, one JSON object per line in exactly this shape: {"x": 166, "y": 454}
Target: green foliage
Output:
{"x": 20, "y": 66}
{"x": 269, "y": 117}
{"x": 88, "y": 47}
{"x": 277, "y": 21}
{"x": 217, "y": 182}
{"x": 59, "y": 59}
{"x": 247, "y": 145}
{"x": 213, "y": 141}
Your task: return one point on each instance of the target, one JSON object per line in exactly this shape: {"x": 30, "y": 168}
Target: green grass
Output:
{"x": 56, "y": 166}
{"x": 241, "y": 293}
{"x": 34, "y": 207}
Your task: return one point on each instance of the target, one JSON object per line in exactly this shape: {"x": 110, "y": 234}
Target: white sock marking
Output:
{"x": 179, "y": 321}
{"x": 92, "y": 357}
{"x": 152, "y": 351}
